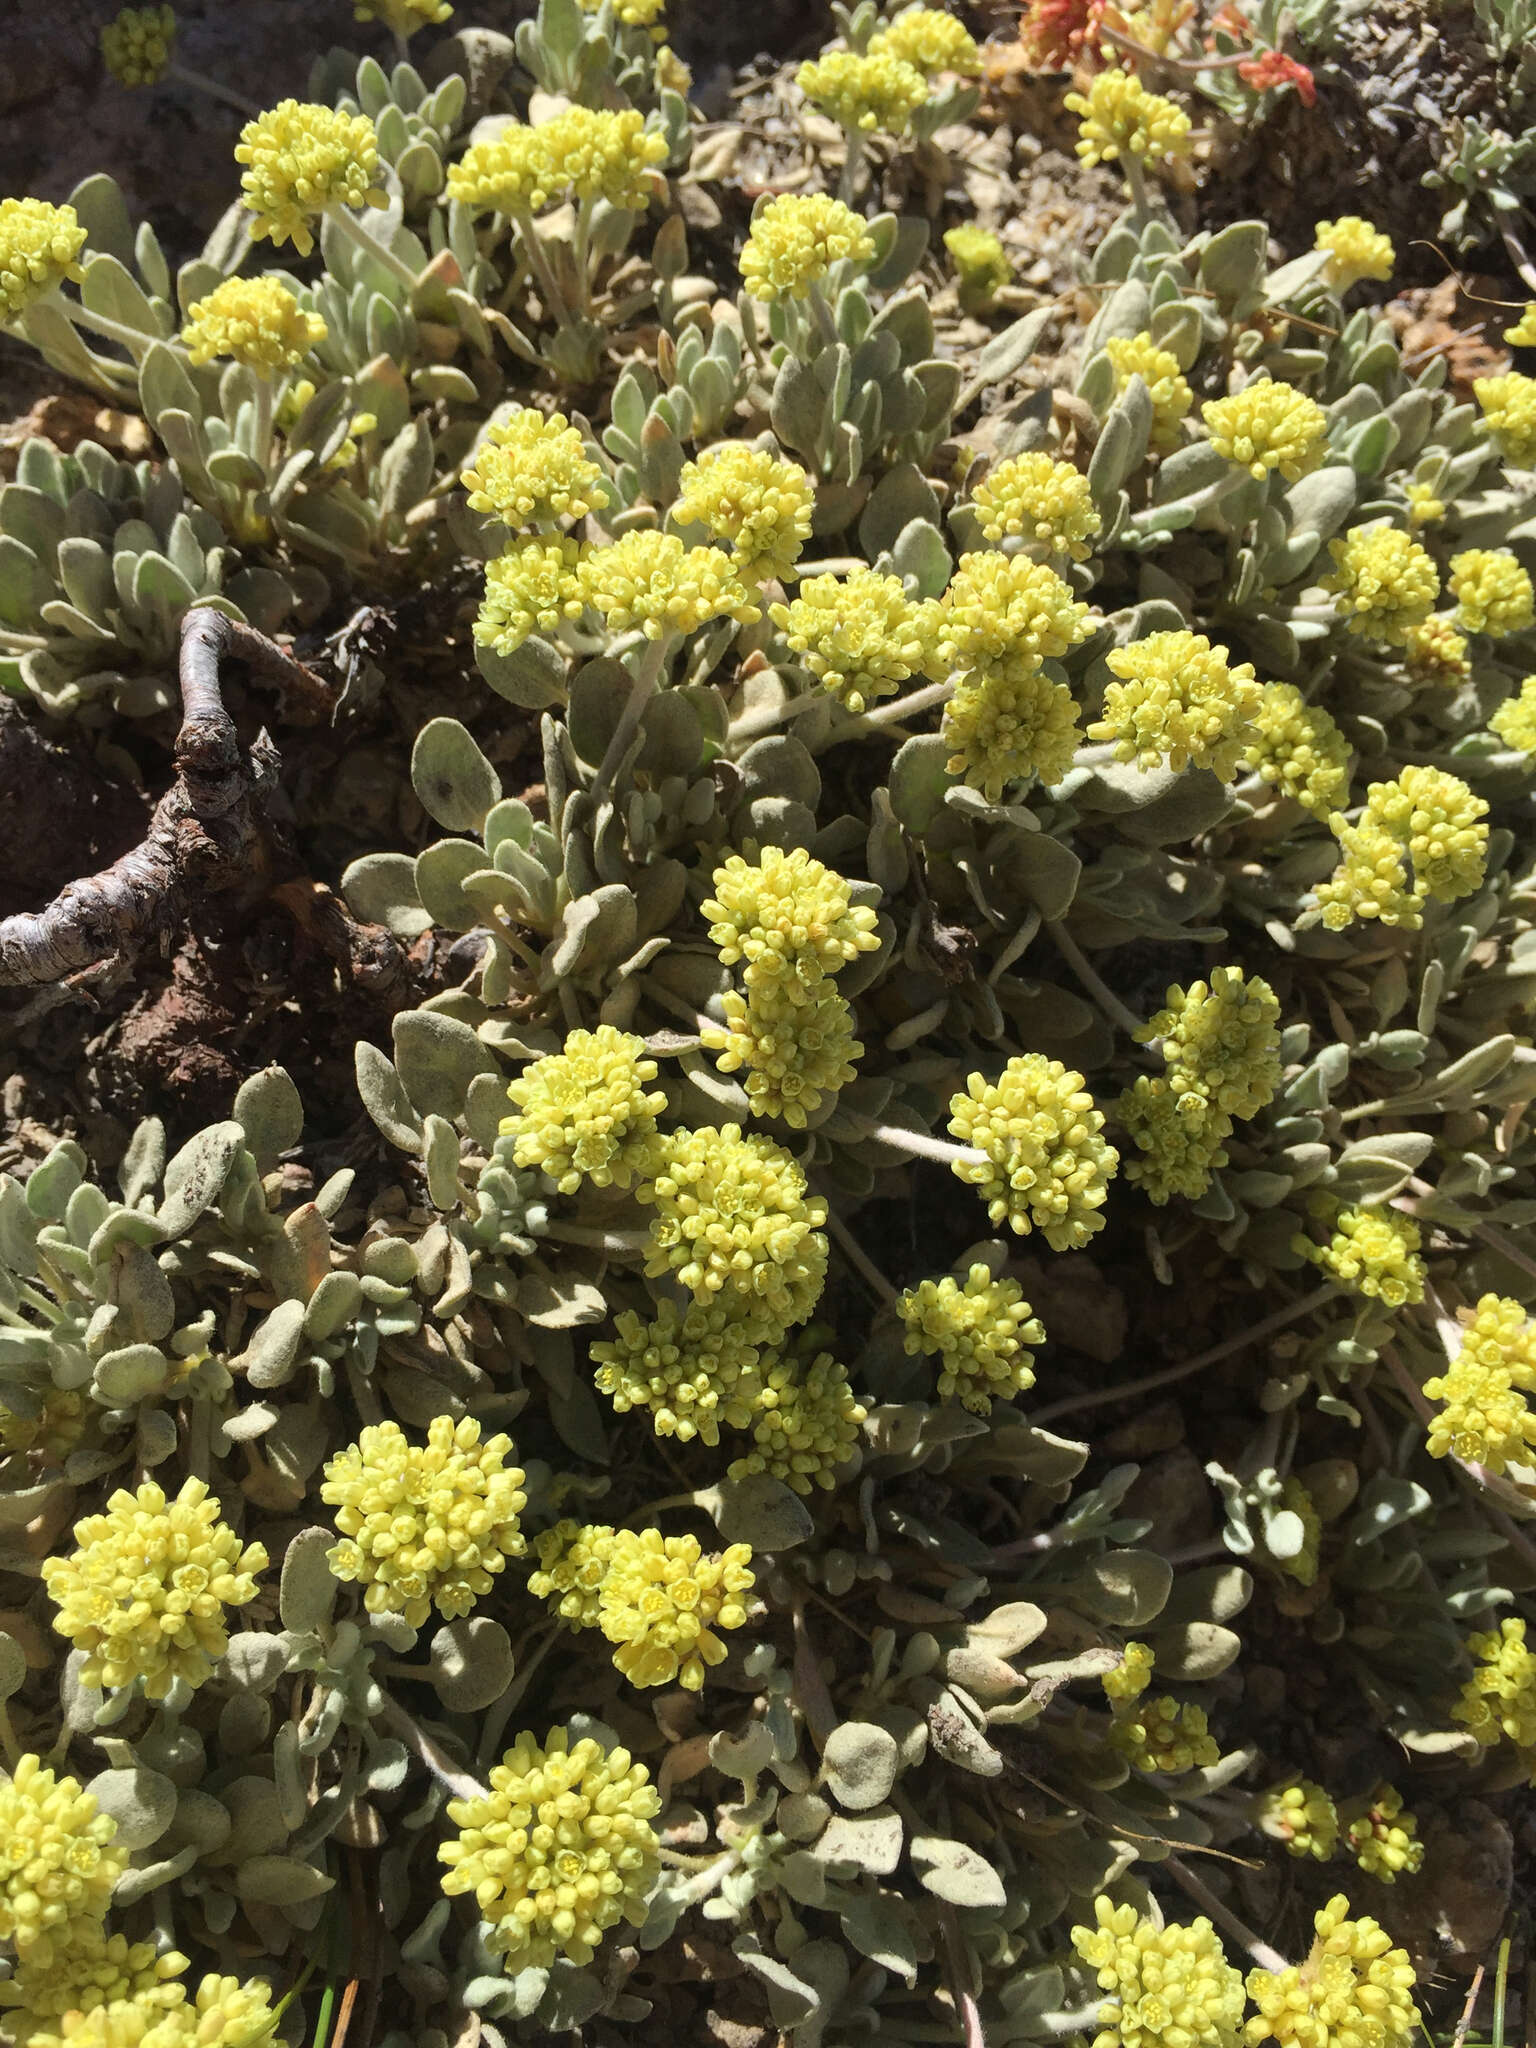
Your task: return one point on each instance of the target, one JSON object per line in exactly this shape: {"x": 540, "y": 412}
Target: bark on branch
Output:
{"x": 210, "y": 830}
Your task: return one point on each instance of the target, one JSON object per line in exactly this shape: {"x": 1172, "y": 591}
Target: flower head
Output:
{"x": 301, "y": 159}
{"x": 1509, "y": 413}
{"x": 795, "y": 241}
{"x": 585, "y": 1112}
{"x": 1383, "y": 1839}
{"x": 1499, "y": 1699}
{"x": 574, "y": 1558}
{"x": 1271, "y": 70}
{"x": 88, "y": 1970}
{"x": 1003, "y": 726}
{"x": 1424, "y": 506}
{"x": 1299, "y": 749}
{"x": 1006, "y": 609}
{"x": 981, "y": 262}
{"x": 1374, "y": 1251}
{"x": 1523, "y": 333}
{"x": 795, "y": 1051}
{"x": 734, "y": 1220}
{"x": 1054, "y": 33}
{"x": 878, "y": 90}
{"x": 254, "y": 319}
{"x": 633, "y": 13}
{"x": 57, "y": 1866}
{"x": 559, "y": 1850}
{"x": 1302, "y": 1816}
{"x": 1179, "y": 700}
{"x": 53, "y": 1432}
{"x": 1486, "y": 1419}
{"x": 144, "y": 1591}
{"x": 861, "y": 636}
{"x": 1436, "y": 653}
{"x": 692, "y": 1369}
{"x": 1515, "y": 719}
{"x": 1038, "y": 499}
{"x": 1371, "y": 880}
{"x": 1046, "y": 1165}
{"x": 1138, "y": 355}
{"x": 757, "y": 501}
{"x": 530, "y": 589}
{"x": 508, "y": 173}
{"x": 1355, "y": 250}
{"x": 38, "y": 247}
{"x": 791, "y": 919}
{"x": 530, "y": 467}
{"x": 1353, "y": 1991}
{"x": 1162, "y": 1735}
{"x": 138, "y": 43}
{"x": 1492, "y": 591}
{"x": 651, "y": 580}
{"x": 979, "y": 1331}
{"x": 595, "y": 154}
{"x": 663, "y": 1602}
{"x": 931, "y": 39}
{"x": 1384, "y": 581}
{"x": 425, "y": 1525}
{"x": 1180, "y": 1139}
{"x": 1441, "y": 823}
{"x": 805, "y": 1426}
{"x": 1267, "y": 426}
{"x": 402, "y": 17}
{"x": 1121, "y": 118}
{"x": 1221, "y": 1041}
{"x": 1130, "y": 1677}
{"x": 1167, "y": 1987}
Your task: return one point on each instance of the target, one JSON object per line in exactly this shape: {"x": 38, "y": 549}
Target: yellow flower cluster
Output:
{"x": 978, "y": 1331}
{"x": 595, "y": 154}
{"x": 692, "y": 1368}
{"x": 1508, "y": 406}
{"x": 402, "y": 17}
{"x": 1120, "y": 118}
{"x": 1301, "y": 1815}
{"x": 1383, "y": 1839}
{"x": 1374, "y": 1251}
{"x": 1178, "y": 699}
{"x": 1267, "y": 426}
{"x": 663, "y": 1601}
{"x": 53, "y": 1432}
{"x": 788, "y": 917}
{"x": 1179, "y": 1140}
{"x": 1221, "y": 1042}
{"x": 1424, "y": 507}
{"x": 1499, "y": 1699}
{"x": 530, "y": 468}
{"x": 1039, "y": 499}
{"x": 932, "y": 40}
{"x": 1355, "y": 250}
{"x": 38, "y": 247}
{"x": 1515, "y": 719}
{"x": 756, "y": 500}
{"x": 1436, "y": 652}
{"x": 861, "y": 636}
{"x": 1165, "y": 1736}
{"x": 1005, "y": 610}
{"x": 1046, "y": 1165}
{"x": 734, "y": 1220}
{"x": 1371, "y": 880}
{"x": 794, "y": 1049}
{"x": 254, "y": 319}
{"x": 87, "y": 1972}
{"x": 1492, "y": 591}
{"x": 1523, "y": 333}
{"x": 222, "y": 2013}
{"x": 1486, "y": 1418}
{"x": 1427, "y": 820}
{"x": 425, "y": 1525}
{"x": 1304, "y": 1566}
{"x": 1131, "y": 1676}
{"x": 1384, "y": 582}
{"x": 651, "y": 581}
{"x": 530, "y": 589}
{"x": 1355, "y": 1990}
{"x": 138, "y": 44}
{"x": 806, "y": 1424}
{"x": 511, "y": 173}
{"x": 877, "y": 90}
{"x": 144, "y": 1591}
{"x": 1167, "y": 1987}
{"x": 1138, "y": 355}
{"x": 574, "y": 1558}
{"x": 559, "y": 1850}
{"x": 585, "y": 1112}
{"x": 981, "y": 262}
{"x": 795, "y": 241}
{"x": 57, "y": 1867}
{"x": 1003, "y": 726}
{"x": 301, "y": 159}
{"x": 633, "y": 13}
{"x": 1300, "y": 750}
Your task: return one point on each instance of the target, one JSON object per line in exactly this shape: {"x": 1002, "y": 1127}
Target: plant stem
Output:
{"x": 582, "y": 251}
{"x": 1149, "y": 1382}
{"x": 853, "y": 164}
{"x": 893, "y": 713}
{"x": 417, "y": 1740}
{"x": 1103, "y": 995}
{"x": 129, "y": 338}
{"x": 821, "y": 314}
{"x": 859, "y": 1259}
{"x": 183, "y": 74}
{"x": 920, "y": 1145}
{"x": 641, "y": 690}
{"x": 554, "y": 299}
{"x": 600, "y": 1240}
{"x": 368, "y": 245}
{"x": 765, "y": 721}
{"x": 1266, "y": 1957}
{"x": 262, "y": 430}
{"x": 1136, "y": 182}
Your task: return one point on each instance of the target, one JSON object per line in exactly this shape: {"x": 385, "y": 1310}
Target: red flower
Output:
{"x": 1053, "y": 32}
{"x": 1274, "y": 68}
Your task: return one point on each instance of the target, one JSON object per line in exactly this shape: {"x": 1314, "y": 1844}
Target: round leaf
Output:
{"x": 456, "y": 783}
